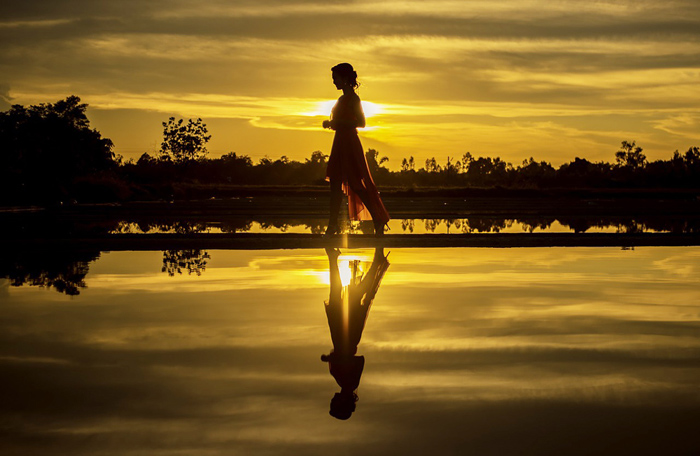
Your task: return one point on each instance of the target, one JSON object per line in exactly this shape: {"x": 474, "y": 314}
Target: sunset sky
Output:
{"x": 548, "y": 79}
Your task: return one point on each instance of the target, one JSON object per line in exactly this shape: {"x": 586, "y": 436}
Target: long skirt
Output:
{"x": 348, "y": 164}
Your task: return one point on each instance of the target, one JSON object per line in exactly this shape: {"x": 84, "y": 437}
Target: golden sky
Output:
{"x": 548, "y": 79}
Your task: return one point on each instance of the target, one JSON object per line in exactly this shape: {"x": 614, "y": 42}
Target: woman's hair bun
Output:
{"x": 346, "y": 71}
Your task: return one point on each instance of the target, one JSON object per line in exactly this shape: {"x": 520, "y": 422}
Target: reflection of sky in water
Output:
{"x": 499, "y": 351}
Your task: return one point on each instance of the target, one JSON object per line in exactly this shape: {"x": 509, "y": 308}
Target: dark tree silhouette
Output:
{"x": 373, "y": 160}
{"x": 49, "y": 154}
{"x": 45, "y": 147}
{"x": 184, "y": 142}
{"x": 630, "y": 155}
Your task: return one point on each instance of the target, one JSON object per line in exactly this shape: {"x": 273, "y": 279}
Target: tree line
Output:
{"x": 50, "y": 153}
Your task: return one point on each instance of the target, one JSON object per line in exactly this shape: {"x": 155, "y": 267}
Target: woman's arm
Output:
{"x": 357, "y": 122}
{"x": 359, "y": 113}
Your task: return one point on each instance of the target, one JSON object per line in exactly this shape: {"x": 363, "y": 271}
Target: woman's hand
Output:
{"x": 327, "y": 124}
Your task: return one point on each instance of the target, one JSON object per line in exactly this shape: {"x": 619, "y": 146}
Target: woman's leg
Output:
{"x": 336, "y": 200}
{"x": 364, "y": 197}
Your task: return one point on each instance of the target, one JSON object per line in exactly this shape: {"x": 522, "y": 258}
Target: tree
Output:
{"x": 452, "y": 167}
{"x": 184, "y": 142}
{"x": 630, "y": 155}
{"x": 44, "y": 147}
{"x": 373, "y": 160}
{"x": 690, "y": 158}
{"x": 232, "y": 159}
{"x": 535, "y": 173}
{"x": 317, "y": 157}
{"x": 431, "y": 165}
{"x": 146, "y": 160}
{"x": 408, "y": 165}
{"x": 467, "y": 160}
{"x": 486, "y": 170}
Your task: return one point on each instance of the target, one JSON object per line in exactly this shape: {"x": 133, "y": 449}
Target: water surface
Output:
{"x": 467, "y": 351}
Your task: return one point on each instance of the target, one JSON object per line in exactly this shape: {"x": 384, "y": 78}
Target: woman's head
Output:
{"x": 342, "y": 405}
{"x": 344, "y": 74}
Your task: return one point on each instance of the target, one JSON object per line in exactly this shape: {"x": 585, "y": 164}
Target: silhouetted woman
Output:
{"x": 347, "y": 166}
{"x": 347, "y": 309}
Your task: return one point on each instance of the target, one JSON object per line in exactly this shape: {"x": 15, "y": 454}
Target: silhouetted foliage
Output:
{"x": 194, "y": 261}
{"x": 630, "y": 155}
{"x": 375, "y": 165}
{"x": 63, "y": 271}
{"x": 45, "y": 147}
{"x": 632, "y": 171}
{"x": 49, "y": 154}
{"x": 183, "y": 142}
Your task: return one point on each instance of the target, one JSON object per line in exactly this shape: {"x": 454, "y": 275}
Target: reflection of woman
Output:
{"x": 347, "y": 166}
{"x": 347, "y": 309}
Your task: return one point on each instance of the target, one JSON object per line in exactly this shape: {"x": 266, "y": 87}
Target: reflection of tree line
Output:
{"x": 577, "y": 225}
{"x": 65, "y": 271}
{"x": 36, "y": 228}
{"x": 194, "y": 261}
{"x": 451, "y": 225}
{"x": 226, "y": 226}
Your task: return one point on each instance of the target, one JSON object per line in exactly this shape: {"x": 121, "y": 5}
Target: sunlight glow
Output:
{"x": 345, "y": 272}
{"x": 344, "y": 267}
{"x": 323, "y": 108}
{"x": 371, "y": 109}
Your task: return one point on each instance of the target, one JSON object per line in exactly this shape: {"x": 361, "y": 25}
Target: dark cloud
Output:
{"x": 328, "y": 27}
{"x": 505, "y": 53}
{"x": 5, "y": 99}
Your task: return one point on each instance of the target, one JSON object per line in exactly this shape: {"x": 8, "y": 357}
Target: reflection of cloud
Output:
{"x": 585, "y": 339}
{"x": 686, "y": 266}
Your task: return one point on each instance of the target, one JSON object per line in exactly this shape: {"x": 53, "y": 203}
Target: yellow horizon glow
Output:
{"x": 525, "y": 91}
{"x": 323, "y": 108}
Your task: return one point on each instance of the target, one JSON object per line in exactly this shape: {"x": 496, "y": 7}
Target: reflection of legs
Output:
{"x": 334, "y": 305}
{"x": 336, "y": 284}
{"x": 336, "y": 200}
{"x": 366, "y": 285}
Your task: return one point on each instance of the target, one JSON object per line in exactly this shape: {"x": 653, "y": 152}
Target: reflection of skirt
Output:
{"x": 348, "y": 164}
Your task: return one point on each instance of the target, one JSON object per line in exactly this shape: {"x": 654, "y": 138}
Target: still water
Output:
{"x": 419, "y": 226}
{"x": 541, "y": 351}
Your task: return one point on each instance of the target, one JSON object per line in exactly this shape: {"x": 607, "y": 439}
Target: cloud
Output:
{"x": 5, "y": 99}
{"x": 555, "y": 68}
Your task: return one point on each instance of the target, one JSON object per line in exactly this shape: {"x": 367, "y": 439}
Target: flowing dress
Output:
{"x": 348, "y": 163}
{"x": 347, "y": 309}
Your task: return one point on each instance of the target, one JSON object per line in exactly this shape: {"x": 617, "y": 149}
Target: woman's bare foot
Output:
{"x": 331, "y": 230}
{"x": 379, "y": 229}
